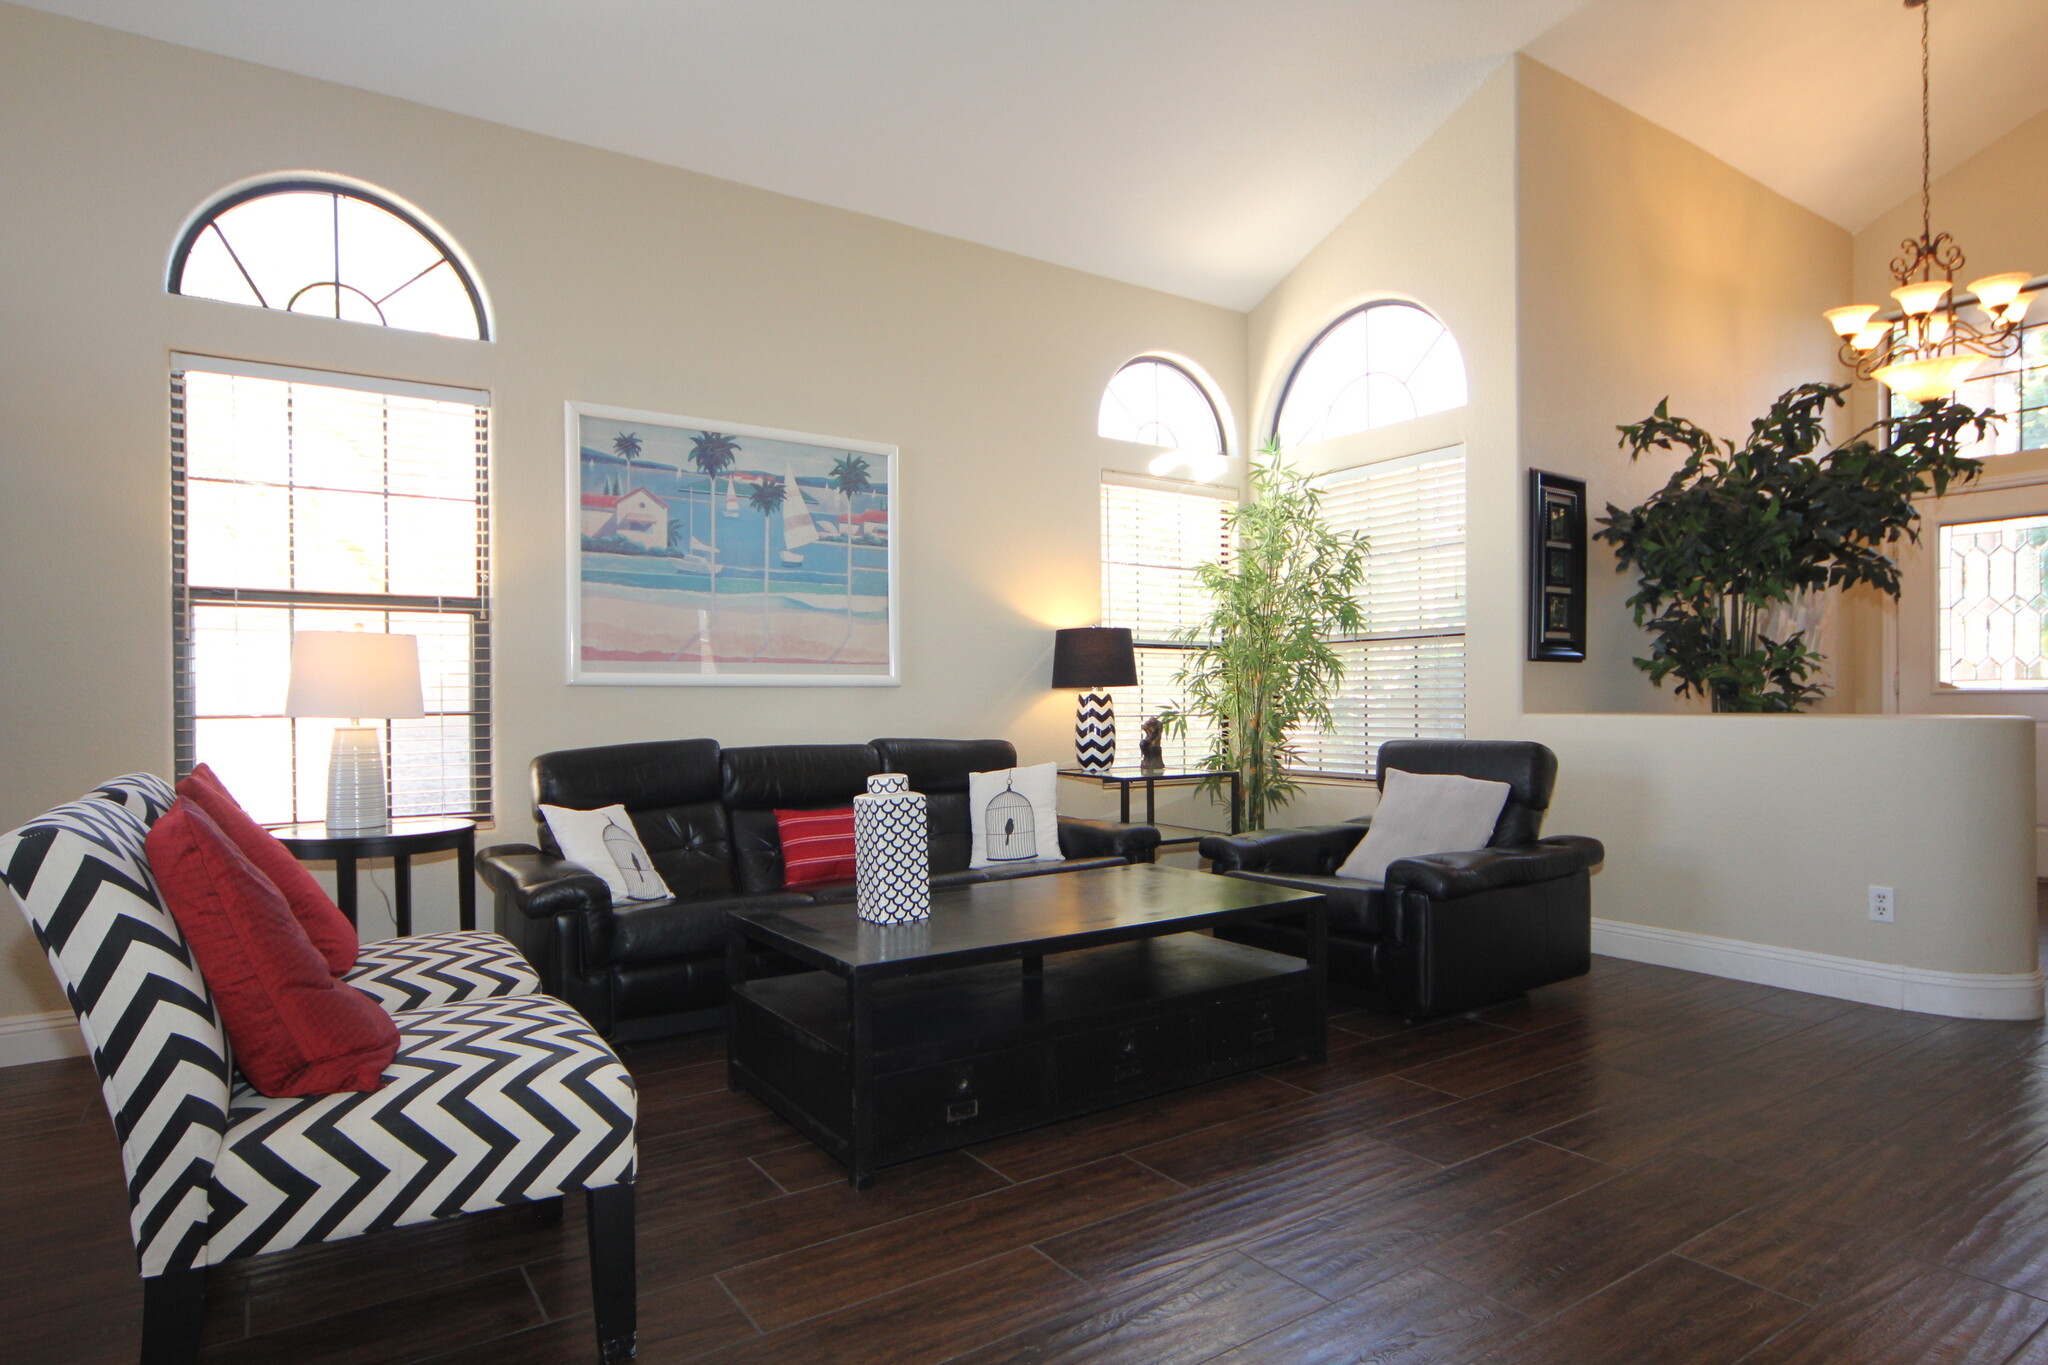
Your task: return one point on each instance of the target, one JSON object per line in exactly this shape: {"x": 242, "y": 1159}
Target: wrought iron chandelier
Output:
{"x": 1926, "y": 348}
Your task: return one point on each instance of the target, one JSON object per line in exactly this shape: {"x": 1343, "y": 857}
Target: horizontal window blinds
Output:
{"x": 1153, "y": 537}
{"x": 303, "y": 505}
{"x": 1405, "y": 671}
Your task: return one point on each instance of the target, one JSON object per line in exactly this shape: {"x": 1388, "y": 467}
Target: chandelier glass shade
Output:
{"x": 1926, "y": 347}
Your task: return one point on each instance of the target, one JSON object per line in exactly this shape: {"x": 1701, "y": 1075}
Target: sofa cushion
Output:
{"x": 1424, "y": 813}
{"x": 672, "y": 789}
{"x": 315, "y": 910}
{"x": 1529, "y": 769}
{"x": 942, "y": 765}
{"x": 817, "y": 846}
{"x": 294, "y": 1029}
{"x": 763, "y": 779}
{"x": 1014, "y": 815}
{"x": 604, "y": 841}
{"x": 1356, "y": 909}
{"x": 655, "y": 931}
{"x": 419, "y": 970}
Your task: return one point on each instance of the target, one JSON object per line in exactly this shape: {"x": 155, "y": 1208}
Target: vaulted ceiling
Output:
{"x": 1196, "y": 146}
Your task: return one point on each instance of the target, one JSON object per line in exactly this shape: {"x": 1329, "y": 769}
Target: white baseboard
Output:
{"x": 1959, "y": 995}
{"x": 26, "y": 1038}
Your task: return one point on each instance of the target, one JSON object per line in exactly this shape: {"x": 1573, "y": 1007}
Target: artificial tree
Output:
{"x": 1262, "y": 667}
{"x": 1737, "y": 531}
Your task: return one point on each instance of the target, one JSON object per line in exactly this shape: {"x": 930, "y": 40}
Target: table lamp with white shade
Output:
{"x": 355, "y": 675}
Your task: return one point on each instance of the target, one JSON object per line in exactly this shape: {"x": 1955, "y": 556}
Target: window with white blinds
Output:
{"x": 1404, "y": 674}
{"x": 312, "y": 501}
{"x": 1153, "y": 537}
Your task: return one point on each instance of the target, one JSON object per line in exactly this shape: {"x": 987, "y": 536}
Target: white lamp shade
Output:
{"x": 353, "y": 674}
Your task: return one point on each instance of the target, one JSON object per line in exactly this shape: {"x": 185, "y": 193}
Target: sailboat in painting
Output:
{"x": 798, "y": 530}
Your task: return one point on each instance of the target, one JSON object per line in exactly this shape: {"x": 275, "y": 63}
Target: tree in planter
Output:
{"x": 1261, "y": 668}
{"x": 1737, "y": 531}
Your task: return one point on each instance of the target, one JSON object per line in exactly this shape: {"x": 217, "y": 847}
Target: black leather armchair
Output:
{"x": 1452, "y": 931}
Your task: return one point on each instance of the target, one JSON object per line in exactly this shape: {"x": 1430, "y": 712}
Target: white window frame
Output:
{"x": 186, "y": 597}
{"x": 1159, "y": 656}
{"x": 1414, "y": 563}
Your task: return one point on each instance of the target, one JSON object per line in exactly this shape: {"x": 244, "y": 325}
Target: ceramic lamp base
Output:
{"x": 356, "y": 803}
{"x": 1095, "y": 732}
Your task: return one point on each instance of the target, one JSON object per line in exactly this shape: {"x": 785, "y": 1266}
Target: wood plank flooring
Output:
{"x": 1643, "y": 1165}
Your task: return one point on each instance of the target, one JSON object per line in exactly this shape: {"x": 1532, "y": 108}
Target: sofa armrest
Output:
{"x": 1452, "y": 876}
{"x": 1107, "y": 839}
{"x": 1316, "y": 851}
{"x": 541, "y": 884}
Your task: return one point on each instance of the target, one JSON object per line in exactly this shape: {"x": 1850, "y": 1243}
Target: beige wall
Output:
{"x": 1439, "y": 232}
{"x": 614, "y": 282}
{"x": 1648, "y": 269}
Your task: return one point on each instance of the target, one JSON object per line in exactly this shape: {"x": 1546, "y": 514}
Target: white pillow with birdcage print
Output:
{"x": 604, "y": 841}
{"x": 1013, "y": 816}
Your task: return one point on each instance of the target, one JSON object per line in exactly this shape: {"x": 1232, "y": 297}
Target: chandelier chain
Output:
{"x": 1926, "y": 125}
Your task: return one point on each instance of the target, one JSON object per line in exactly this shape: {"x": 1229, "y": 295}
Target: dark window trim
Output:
{"x": 303, "y": 184}
{"x": 1222, "y": 436}
{"x": 1273, "y": 429}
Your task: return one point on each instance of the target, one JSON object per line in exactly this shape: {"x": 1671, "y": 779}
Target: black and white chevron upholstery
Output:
{"x": 419, "y": 970}
{"x": 487, "y": 1103}
{"x": 148, "y": 795}
{"x": 498, "y": 1095}
{"x": 1095, "y": 731}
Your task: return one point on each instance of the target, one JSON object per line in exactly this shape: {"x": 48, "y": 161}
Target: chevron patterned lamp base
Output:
{"x": 1095, "y": 732}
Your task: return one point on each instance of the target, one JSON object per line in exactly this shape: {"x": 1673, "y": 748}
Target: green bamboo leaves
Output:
{"x": 1262, "y": 667}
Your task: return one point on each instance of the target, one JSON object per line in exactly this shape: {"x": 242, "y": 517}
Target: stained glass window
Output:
{"x": 1375, "y": 366}
{"x": 329, "y": 250}
{"x": 1992, "y": 605}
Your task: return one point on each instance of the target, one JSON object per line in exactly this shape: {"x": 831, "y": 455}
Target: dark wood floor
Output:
{"x": 1641, "y": 1166}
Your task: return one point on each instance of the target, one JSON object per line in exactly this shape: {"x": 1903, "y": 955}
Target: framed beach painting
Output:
{"x": 715, "y": 554}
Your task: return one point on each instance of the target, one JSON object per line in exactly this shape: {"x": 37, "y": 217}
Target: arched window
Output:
{"x": 1377, "y": 365}
{"x": 1157, "y": 403}
{"x": 332, "y": 250}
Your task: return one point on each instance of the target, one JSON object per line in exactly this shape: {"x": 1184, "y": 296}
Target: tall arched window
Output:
{"x": 329, "y": 249}
{"x": 1380, "y": 364}
{"x": 1157, "y": 403}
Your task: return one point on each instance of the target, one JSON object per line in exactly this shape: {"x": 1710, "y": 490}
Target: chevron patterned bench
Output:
{"x": 498, "y": 1095}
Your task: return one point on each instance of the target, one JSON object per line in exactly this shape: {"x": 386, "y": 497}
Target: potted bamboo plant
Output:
{"x": 1262, "y": 667}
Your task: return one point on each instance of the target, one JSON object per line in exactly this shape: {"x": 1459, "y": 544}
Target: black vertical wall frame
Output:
{"x": 1557, "y": 568}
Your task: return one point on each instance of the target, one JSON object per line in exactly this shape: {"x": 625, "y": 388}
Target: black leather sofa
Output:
{"x": 707, "y": 817}
{"x": 1446, "y": 933}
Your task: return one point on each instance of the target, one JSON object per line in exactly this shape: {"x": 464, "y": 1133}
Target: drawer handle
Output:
{"x": 961, "y": 1112}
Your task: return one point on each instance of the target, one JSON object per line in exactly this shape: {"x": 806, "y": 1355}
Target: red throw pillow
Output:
{"x": 317, "y": 913}
{"x": 817, "y": 846}
{"x": 294, "y": 1029}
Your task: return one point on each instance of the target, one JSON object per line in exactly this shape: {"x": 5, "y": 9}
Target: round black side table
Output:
{"x": 428, "y": 834}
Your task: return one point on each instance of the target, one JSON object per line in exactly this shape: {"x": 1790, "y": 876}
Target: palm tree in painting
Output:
{"x": 766, "y": 498}
{"x": 626, "y": 445}
{"x": 849, "y": 476}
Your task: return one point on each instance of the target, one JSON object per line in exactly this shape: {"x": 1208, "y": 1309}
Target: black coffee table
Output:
{"x": 1018, "y": 1003}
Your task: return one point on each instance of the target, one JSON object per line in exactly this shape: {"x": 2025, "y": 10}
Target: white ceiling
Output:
{"x": 1196, "y": 146}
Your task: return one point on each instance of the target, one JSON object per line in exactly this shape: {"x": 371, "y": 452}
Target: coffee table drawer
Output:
{"x": 942, "y": 1106}
{"x": 1267, "y": 1020}
{"x": 1127, "y": 1057}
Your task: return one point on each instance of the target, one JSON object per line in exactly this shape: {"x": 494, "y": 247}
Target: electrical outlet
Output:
{"x": 1883, "y": 904}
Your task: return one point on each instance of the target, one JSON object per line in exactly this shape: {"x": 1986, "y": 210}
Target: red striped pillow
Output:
{"x": 817, "y": 846}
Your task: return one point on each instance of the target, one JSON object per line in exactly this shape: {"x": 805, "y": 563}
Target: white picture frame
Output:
{"x": 690, "y": 566}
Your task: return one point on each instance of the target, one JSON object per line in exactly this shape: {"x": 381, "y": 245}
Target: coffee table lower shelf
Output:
{"x": 971, "y": 1053}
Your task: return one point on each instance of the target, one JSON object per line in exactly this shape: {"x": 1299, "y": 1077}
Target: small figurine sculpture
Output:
{"x": 1151, "y": 755}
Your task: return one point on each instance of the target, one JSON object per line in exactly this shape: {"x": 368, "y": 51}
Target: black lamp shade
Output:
{"x": 1093, "y": 656}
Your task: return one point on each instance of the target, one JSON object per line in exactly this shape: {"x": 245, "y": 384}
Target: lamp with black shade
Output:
{"x": 355, "y": 675}
{"x": 1094, "y": 659}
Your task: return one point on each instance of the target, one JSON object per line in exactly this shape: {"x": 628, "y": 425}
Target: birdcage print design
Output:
{"x": 1010, "y": 830}
{"x": 631, "y": 860}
